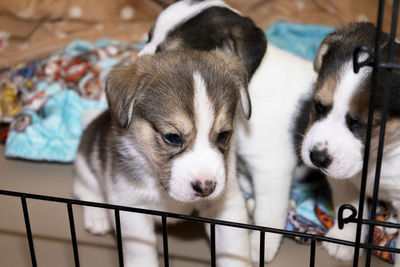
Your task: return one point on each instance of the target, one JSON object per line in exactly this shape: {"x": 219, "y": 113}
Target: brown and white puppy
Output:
{"x": 167, "y": 143}
{"x": 335, "y": 138}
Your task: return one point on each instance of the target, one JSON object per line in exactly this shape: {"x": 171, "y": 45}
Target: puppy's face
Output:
{"x": 177, "y": 109}
{"x": 335, "y": 139}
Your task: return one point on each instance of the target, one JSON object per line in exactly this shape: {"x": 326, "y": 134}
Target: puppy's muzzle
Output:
{"x": 204, "y": 188}
{"x": 320, "y": 158}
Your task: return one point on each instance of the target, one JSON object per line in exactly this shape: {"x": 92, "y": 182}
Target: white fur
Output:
{"x": 344, "y": 192}
{"x": 203, "y": 162}
{"x": 175, "y": 15}
{"x": 331, "y": 133}
{"x": 266, "y": 142}
{"x": 95, "y": 219}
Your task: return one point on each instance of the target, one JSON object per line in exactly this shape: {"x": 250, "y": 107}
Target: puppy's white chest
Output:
{"x": 389, "y": 187}
{"x": 389, "y": 183}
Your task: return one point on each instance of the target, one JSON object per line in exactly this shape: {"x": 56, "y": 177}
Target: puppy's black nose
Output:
{"x": 203, "y": 188}
{"x": 320, "y": 158}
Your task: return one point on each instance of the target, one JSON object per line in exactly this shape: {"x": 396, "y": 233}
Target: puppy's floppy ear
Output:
{"x": 240, "y": 77}
{"x": 323, "y": 49}
{"x": 123, "y": 85}
{"x": 150, "y": 34}
{"x": 245, "y": 100}
{"x": 246, "y": 41}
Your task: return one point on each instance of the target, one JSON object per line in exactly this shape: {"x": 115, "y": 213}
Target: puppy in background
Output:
{"x": 167, "y": 143}
{"x": 279, "y": 81}
{"x": 207, "y": 25}
{"x": 335, "y": 138}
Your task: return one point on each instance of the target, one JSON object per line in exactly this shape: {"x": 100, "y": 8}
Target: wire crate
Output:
{"x": 377, "y": 62}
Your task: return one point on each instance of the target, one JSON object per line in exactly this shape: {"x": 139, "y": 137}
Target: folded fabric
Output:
{"x": 300, "y": 39}
{"x": 54, "y": 133}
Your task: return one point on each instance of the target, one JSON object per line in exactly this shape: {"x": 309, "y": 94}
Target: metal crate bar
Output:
{"x": 262, "y": 248}
{"x": 389, "y": 65}
{"x": 165, "y": 241}
{"x": 212, "y": 223}
{"x": 383, "y": 224}
{"x": 385, "y": 107}
{"x": 187, "y": 217}
{"x": 28, "y": 231}
{"x": 73, "y": 234}
{"x": 212, "y": 239}
{"x": 368, "y": 134}
{"x": 119, "y": 237}
{"x": 312, "y": 253}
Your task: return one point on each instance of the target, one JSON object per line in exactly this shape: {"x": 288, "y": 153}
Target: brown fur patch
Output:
{"x": 323, "y": 49}
{"x": 358, "y": 109}
{"x": 392, "y": 135}
{"x": 325, "y": 92}
{"x": 392, "y": 130}
{"x": 223, "y": 123}
{"x": 171, "y": 44}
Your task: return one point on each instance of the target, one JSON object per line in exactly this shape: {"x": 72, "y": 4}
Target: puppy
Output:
{"x": 167, "y": 143}
{"x": 335, "y": 138}
{"x": 278, "y": 81}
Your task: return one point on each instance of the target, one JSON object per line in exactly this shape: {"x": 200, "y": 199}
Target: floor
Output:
{"x": 188, "y": 245}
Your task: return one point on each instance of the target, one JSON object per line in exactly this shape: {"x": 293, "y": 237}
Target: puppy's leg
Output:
{"x": 272, "y": 180}
{"x": 232, "y": 244}
{"x": 86, "y": 187}
{"x": 344, "y": 193}
{"x": 138, "y": 240}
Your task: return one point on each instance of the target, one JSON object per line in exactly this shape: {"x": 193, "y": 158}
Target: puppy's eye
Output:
{"x": 353, "y": 124}
{"x": 223, "y": 137}
{"x": 319, "y": 108}
{"x": 173, "y": 139}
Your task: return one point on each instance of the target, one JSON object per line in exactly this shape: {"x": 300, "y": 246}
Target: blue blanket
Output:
{"x": 53, "y": 95}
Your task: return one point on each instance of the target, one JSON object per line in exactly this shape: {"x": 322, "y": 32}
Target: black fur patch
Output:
{"x": 219, "y": 27}
{"x": 301, "y": 122}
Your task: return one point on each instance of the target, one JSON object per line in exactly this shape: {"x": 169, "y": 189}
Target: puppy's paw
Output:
{"x": 96, "y": 221}
{"x": 233, "y": 262}
{"x": 341, "y": 252}
{"x": 272, "y": 243}
{"x": 144, "y": 260}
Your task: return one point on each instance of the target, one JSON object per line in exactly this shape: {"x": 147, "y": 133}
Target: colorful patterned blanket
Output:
{"x": 42, "y": 102}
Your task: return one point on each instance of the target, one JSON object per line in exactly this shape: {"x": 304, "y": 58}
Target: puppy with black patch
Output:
{"x": 167, "y": 143}
{"x": 207, "y": 25}
{"x": 335, "y": 138}
{"x": 279, "y": 80}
